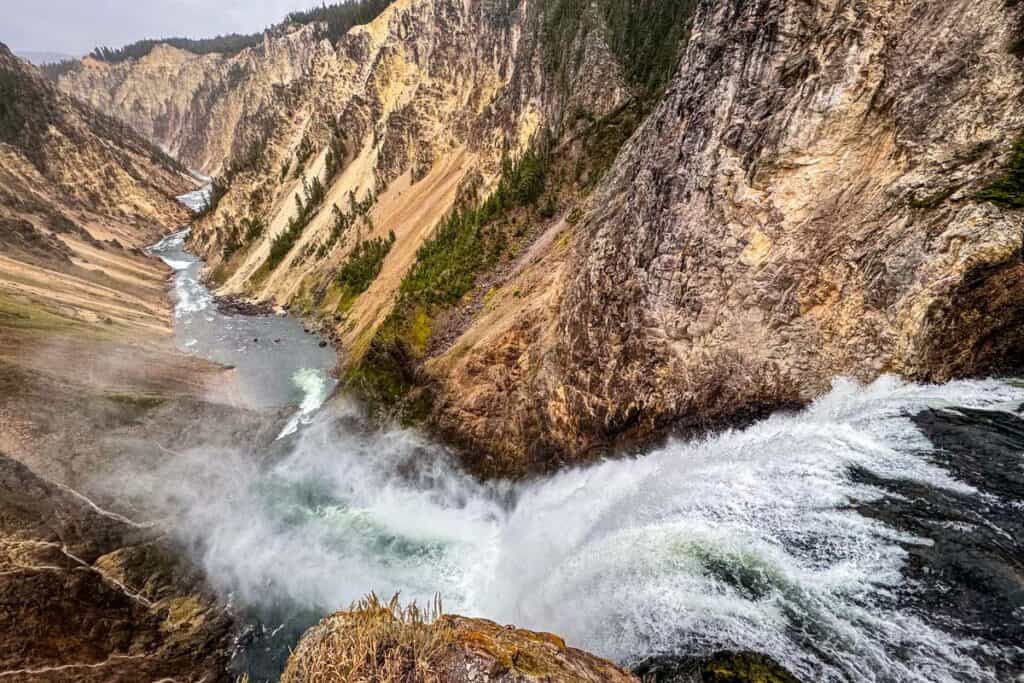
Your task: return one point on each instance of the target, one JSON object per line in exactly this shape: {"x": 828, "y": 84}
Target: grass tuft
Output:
{"x": 372, "y": 642}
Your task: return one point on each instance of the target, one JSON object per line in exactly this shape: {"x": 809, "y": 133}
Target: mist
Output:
{"x": 706, "y": 545}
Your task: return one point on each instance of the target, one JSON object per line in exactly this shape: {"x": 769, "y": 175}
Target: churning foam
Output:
{"x": 748, "y": 539}
{"x": 315, "y": 388}
{"x": 197, "y": 200}
{"x": 190, "y": 295}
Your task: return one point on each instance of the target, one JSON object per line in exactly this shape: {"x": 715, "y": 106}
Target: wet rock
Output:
{"x": 233, "y": 305}
{"x": 722, "y": 667}
{"x": 970, "y": 572}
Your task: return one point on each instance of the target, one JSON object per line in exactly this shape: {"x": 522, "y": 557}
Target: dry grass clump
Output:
{"x": 372, "y": 642}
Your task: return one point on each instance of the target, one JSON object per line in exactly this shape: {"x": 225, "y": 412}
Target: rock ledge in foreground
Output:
{"x": 385, "y": 642}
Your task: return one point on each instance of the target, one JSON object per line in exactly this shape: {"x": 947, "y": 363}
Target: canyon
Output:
{"x": 648, "y": 319}
{"x": 798, "y": 201}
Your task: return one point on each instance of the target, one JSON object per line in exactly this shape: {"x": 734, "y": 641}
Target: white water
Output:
{"x": 197, "y": 199}
{"x": 749, "y": 539}
{"x": 315, "y": 390}
{"x": 744, "y": 540}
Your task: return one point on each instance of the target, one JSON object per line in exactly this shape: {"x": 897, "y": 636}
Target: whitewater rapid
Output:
{"x": 780, "y": 538}
{"x": 747, "y": 540}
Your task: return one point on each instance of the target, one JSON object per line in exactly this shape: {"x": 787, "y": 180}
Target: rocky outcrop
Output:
{"x": 802, "y": 204}
{"x": 387, "y": 643}
{"x": 376, "y": 642}
{"x": 86, "y": 595}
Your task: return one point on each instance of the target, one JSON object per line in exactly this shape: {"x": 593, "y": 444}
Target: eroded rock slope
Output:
{"x": 88, "y": 596}
{"x": 804, "y": 198}
{"x": 806, "y": 201}
{"x": 196, "y": 107}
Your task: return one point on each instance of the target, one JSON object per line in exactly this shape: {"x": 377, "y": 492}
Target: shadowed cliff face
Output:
{"x": 800, "y": 203}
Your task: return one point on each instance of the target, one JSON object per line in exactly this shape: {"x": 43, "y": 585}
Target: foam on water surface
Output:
{"x": 750, "y": 539}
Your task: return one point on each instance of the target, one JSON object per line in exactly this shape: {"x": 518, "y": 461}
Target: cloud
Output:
{"x": 76, "y": 26}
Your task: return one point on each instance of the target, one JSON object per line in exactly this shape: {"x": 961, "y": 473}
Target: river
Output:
{"x": 874, "y": 536}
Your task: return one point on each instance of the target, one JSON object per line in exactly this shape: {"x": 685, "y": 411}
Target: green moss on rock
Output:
{"x": 1008, "y": 190}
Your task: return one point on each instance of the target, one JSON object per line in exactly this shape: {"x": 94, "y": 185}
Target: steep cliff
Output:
{"x": 805, "y": 199}
{"x": 196, "y": 107}
{"x": 59, "y": 151}
{"x": 805, "y": 202}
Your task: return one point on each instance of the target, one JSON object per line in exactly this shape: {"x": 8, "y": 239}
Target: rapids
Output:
{"x": 275, "y": 361}
{"x": 873, "y": 536}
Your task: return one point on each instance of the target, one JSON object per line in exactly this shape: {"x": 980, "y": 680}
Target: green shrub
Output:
{"x": 1008, "y": 190}
{"x": 304, "y": 213}
{"x": 302, "y": 154}
{"x": 335, "y": 158}
{"x": 54, "y": 70}
{"x": 645, "y": 35}
{"x": 465, "y": 242}
{"x": 362, "y": 267}
{"x": 230, "y": 44}
{"x": 343, "y": 220}
{"x": 447, "y": 264}
{"x": 248, "y": 160}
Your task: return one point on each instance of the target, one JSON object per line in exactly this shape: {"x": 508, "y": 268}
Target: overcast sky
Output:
{"x": 77, "y": 26}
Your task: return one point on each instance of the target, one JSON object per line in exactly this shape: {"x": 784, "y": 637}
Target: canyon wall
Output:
{"x": 80, "y": 194}
{"x": 802, "y": 204}
{"x": 804, "y": 198}
{"x": 85, "y": 352}
{"x": 198, "y": 108}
